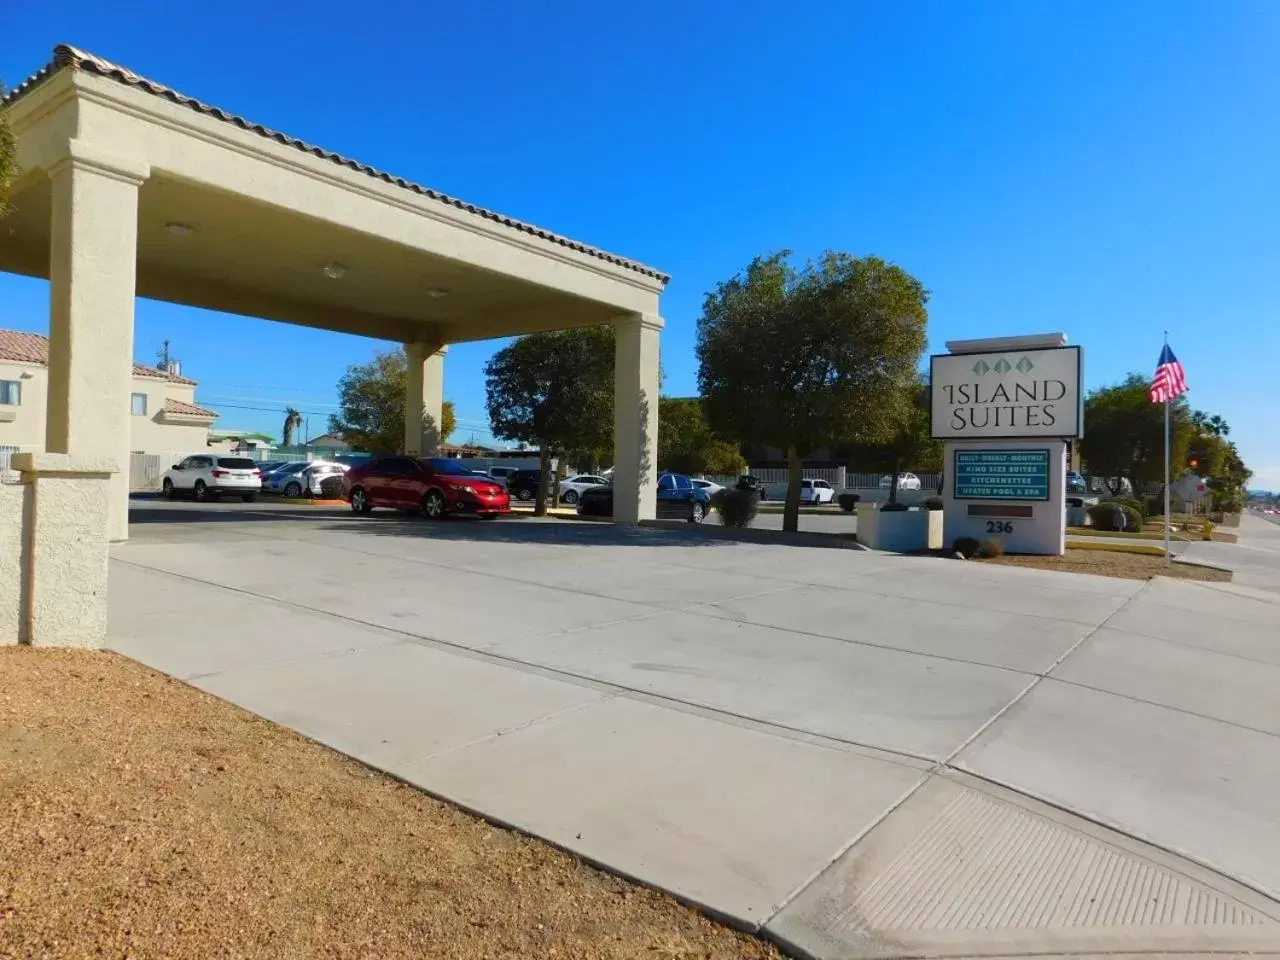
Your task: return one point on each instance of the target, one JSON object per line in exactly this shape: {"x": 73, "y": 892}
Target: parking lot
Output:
{"x": 733, "y": 721}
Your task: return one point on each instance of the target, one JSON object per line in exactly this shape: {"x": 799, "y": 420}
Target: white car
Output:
{"x": 571, "y": 488}
{"x": 207, "y": 476}
{"x": 302, "y": 478}
{"x": 707, "y": 485}
{"x": 906, "y": 481}
{"x": 816, "y": 491}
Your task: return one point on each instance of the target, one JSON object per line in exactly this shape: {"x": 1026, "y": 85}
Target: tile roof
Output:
{"x": 65, "y": 55}
{"x": 186, "y": 409}
{"x": 21, "y": 347}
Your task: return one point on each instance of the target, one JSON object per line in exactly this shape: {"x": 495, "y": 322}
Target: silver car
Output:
{"x": 302, "y": 478}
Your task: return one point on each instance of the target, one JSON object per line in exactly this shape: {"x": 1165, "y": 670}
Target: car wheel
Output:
{"x": 294, "y": 489}
{"x": 524, "y": 493}
{"x": 570, "y": 497}
{"x": 360, "y": 501}
{"x": 433, "y": 505}
{"x": 249, "y": 497}
{"x": 201, "y": 491}
{"x": 697, "y": 512}
{"x": 168, "y": 488}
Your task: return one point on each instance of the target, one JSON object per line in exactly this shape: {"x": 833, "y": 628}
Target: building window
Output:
{"x": 138, "y": 404}
{"x": 11, "y": 392}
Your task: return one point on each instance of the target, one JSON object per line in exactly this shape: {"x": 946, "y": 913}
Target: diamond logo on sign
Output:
{"x": 1003, "y": 365}
{"x": 980, "y": 367}
{"x": 1025, "y": 365}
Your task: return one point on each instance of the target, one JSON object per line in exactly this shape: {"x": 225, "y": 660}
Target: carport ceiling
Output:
{"x": 278, "y": 257}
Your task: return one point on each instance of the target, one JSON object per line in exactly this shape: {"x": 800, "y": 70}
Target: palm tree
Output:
{"x": 292, "y": 421}
{"x": 1219, "y": 426}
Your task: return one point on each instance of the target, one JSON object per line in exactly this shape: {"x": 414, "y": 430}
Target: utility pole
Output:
{"x": 164, "y": 356}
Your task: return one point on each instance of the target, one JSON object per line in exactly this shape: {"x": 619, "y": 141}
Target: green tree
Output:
{"x": 686, "y": 443}
{"x": 911, "y": 445}
{"x": 1124, "y": 434}
{"x": 802, "y": 358}
{"x": 8, "y": 159}
{"x": 292, "y": 421}
{"x": 371, "y": 400}
{"x": 554, "y": 390}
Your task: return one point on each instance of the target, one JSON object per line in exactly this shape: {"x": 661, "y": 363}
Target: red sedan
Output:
{"x": 435, "y": 486}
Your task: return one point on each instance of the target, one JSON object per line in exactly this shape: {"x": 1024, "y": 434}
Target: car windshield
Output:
{"x": 237, "y": 463}
{"x": 448, "y": 467}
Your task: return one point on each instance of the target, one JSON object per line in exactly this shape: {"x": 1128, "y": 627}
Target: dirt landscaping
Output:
{"x": 1114, "y": 562}
{"x": 140, "y": 817}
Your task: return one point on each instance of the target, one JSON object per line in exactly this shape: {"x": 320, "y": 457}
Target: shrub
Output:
{"x": 1104, "y": 516}
{"x": 848, "y": 501}
{"x": 966, "y": 546}
{"x": 736, "y": 508}
{"x": 331, "y": 487}
{"x": 1137, "y": 506}
{"x": 933, "y": 503}
{"x": 991, "y": 549}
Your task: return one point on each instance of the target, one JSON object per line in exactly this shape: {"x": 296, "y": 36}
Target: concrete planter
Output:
{"x": 899, "y": 530}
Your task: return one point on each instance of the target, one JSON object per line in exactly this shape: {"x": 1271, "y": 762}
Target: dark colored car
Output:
{"x": 678, "y": 499}
{"x": 523, "y": 484}
{"x": 436, "y": 486}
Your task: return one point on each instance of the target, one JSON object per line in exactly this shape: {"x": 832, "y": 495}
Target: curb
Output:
{"x": 310, "y": 502}
{"x": 830, "y": 541}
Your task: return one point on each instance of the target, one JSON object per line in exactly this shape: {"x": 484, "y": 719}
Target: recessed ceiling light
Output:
{"x": 179, "y": 229}
{"x": 435, "y": 293}
{"x": 335, "y": 270}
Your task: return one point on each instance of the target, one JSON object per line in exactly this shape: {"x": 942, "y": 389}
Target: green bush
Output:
{"x": 991, "y": 549}
{"x": 933, "y": 503}
{"x": 1104, "y": 516}
{"x": 966, "y": 546}
{"x": 848, "y": 502}
{"x": 736, "y": 508}
{"x": 1137, "y": 506}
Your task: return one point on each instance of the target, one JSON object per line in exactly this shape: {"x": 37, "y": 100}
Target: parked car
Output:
{"x": 1076, "y": 482}
{"x": 523, "y": 484}
{"x": 501, "y": 474}
{"x": 817, "y": 491}
{"x": 301, "y": 479}
{"x": 436, "y": 486}
{"x": 266, "y": 467}
{"x": 207, "y": 476}
{"x": 906, "y": 481}
{"x": 710, "y": 486}
{"x": 749, "y": 482}
{"x": 677, "y": 499}
{"x": 572, "y": 488}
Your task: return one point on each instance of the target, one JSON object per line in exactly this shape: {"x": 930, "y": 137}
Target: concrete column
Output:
{"x": 635, "y": 413}
{"x": 424, "y": 398}
{"x": 92, "y": 269}
{"x": 62, "y": 585}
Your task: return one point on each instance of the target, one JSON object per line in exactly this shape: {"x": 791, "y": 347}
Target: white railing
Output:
{"x": 146, "y": 470}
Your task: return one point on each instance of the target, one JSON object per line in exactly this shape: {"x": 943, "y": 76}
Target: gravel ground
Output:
{"x": 140, "y": 817}
{"x": 1108, "y": 563}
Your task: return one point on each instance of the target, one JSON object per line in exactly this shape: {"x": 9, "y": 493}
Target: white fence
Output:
{"x": 7, "y": 473}
{"x": 146, "y": 471}
{"x": 775, "y": 481}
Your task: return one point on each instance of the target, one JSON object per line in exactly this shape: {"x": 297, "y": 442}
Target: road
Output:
{"x": 847, "y": 748}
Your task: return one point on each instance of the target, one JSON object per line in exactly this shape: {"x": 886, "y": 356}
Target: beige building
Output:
{"x": 164, "y": 419}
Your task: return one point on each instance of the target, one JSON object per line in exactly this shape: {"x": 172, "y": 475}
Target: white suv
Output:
{"x": 207, "y": 476}
{"x": 816, "y": 491}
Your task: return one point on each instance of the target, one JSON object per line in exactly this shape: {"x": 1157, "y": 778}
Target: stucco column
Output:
{"x": 92, "y": 269}
{"x": 424, "y": 398}
{"x": 635, "y": 417}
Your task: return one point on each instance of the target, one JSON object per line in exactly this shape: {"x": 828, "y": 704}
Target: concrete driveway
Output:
{"x": 858, "y": 753}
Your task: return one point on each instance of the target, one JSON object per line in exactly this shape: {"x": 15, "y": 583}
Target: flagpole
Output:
{"x": 1168, "y": 559}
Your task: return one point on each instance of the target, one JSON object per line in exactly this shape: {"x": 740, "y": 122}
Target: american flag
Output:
{"x": 1170, "y": 381}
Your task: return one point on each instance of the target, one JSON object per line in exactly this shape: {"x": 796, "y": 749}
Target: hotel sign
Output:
{"x": 1017, "y": 393}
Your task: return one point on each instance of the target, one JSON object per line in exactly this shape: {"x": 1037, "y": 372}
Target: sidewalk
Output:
{"x": 903, "y": 756}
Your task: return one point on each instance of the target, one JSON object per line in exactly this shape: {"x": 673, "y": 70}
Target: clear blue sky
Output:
{"x": 1104, "y": 169}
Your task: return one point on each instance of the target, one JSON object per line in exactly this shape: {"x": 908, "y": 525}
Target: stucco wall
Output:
{"x": 26, "y": 430}
{"x": 146, "y": 433}
{"x": 11, "y": 516}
